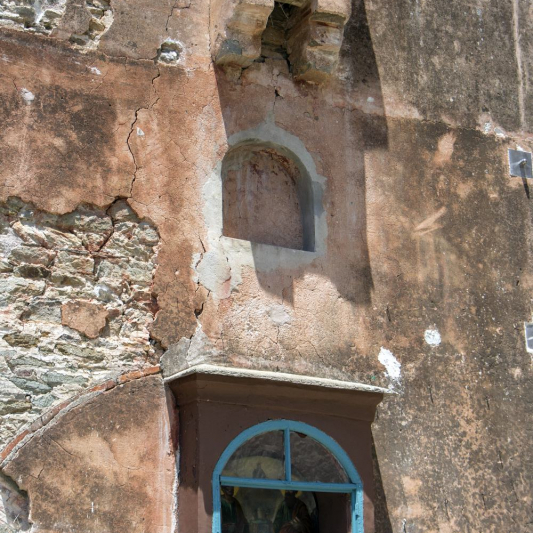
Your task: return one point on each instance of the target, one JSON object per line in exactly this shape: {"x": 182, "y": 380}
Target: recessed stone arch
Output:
{"x": 267, "y": 196}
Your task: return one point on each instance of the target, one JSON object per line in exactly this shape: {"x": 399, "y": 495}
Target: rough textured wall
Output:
{"x": 82, "y": 23}
{"x": 77, "y": 303}
{"x": 104, "y": 463}
{"x": 423, "y": 281}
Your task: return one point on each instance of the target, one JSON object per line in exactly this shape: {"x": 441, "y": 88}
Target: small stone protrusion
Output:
{"x": 169, "y": 52}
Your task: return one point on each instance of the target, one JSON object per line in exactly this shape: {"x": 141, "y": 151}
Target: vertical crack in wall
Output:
{"x": 132, "y": 129}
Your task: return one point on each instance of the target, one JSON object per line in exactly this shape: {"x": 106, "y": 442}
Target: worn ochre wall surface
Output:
{"x": 105, "y": 463}
{"x": 420, "y": 281}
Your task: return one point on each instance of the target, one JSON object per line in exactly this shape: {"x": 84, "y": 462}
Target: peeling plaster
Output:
{"x": 432, "y": 337}
{"x": 391, "y": 364}
{"x": 188, "y": 352}
{"x": 279, "y": 315}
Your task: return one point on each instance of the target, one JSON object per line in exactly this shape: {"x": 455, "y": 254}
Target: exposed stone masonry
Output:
{"x": 41, "y": 16}
{"x": 83, "y": 24}
{"x": 76, "y": 303}
{"x": 97, "y": 21}
{"x": 307, "y": 34}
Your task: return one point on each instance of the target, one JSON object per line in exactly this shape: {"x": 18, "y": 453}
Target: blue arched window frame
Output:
{"x": 354, "y": 487}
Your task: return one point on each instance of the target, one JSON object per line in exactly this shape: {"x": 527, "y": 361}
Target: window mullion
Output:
{"x": 287, "y": 449}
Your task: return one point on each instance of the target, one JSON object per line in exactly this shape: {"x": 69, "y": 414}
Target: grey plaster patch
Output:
{"x": 212, "y": 273}
{"x": 279, "y": 315}
{"x": 188, "y": 352}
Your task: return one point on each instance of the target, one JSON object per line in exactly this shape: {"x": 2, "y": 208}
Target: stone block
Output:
{"x": 86, "y": 353}
{"x": 21, "y": 340}
{"x": 92, "y": 227}
{"x": 34, "y": 255}
{"x": 31, "y": 271}
{"x": 86, "y": 317}
{"x": 13, "y": 286}
{"x": 13, "y": 406}
{"x": 75, "y": 263}
{"x": 5, "y": 266}
{"x": 43, "y": 310}
{"x": 120, "y": 211}
{"x": 238, "y": 29}
{"x": 46, "y": 236}
{"x": 146, "y": 234}
{"x": 44, "y": 401}
{"x": 64, "y": 279}
{"x": 55, "y": 379}
{"x": 31, "y": 362}
{"x": 30, "y": 385}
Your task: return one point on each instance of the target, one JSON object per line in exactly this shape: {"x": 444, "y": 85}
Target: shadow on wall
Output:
{"x": 351, "y": 132}
{"x": 382, "y": 521}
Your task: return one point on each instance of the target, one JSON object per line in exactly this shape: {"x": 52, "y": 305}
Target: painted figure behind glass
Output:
{"x": 292, "y": 515}
{"x": 233, "y": 519}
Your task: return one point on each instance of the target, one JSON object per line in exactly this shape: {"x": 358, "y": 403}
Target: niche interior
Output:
{"x": 267, "y": 196}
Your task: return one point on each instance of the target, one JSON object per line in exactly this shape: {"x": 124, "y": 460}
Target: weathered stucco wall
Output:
{"x": 421, "y": 280}
{"x": 104, "y": 463}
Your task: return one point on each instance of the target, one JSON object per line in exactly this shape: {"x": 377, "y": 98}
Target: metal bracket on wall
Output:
{"x": 528, "y": 329}
{"x": 520, "y": 164}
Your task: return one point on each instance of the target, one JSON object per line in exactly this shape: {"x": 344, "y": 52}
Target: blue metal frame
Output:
{"x": 354, "y": 488}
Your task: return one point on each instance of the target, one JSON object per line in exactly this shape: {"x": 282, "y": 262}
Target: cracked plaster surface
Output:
{"x": 408, "y": 279}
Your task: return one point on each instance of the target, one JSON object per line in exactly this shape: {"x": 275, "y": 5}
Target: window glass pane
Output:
{"x": 246, "y": 510}
{"x": 310, "y": 461}
{"x": 261, "y": 457}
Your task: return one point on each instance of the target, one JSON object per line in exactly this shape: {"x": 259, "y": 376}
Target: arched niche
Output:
{"x": 267, "y": 196}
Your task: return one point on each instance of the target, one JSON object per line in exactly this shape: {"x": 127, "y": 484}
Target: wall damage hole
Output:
{"x": 14, "y": 506}
{"x": 267, "y": 197}
{"x": 169, "y": 52}
{"x": 274, "y": 38}
{"x": 308, "y": 40}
